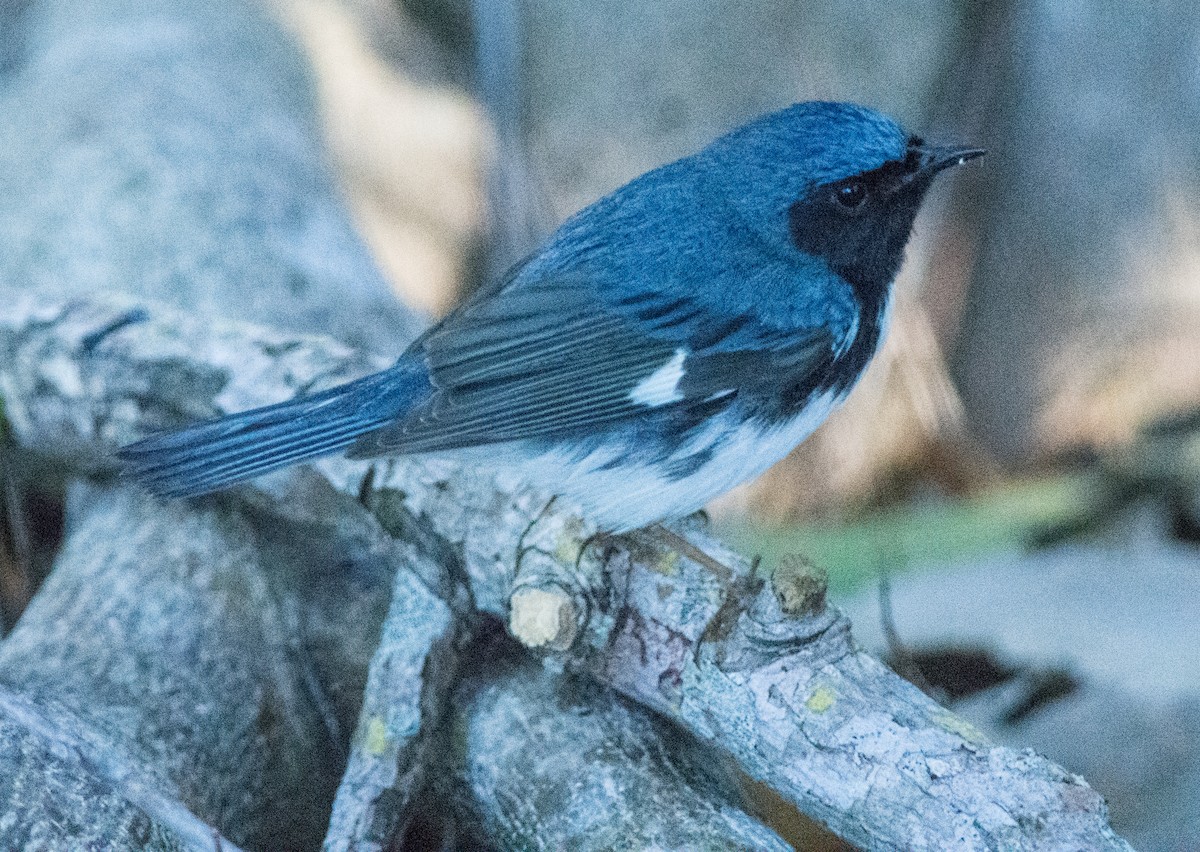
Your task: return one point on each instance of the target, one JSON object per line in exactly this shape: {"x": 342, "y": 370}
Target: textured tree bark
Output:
{"x": 80, "y": 793}
{"x": 170, "y": 637}
{"x": 411, "y": 673}
{"x": 545, "y": 761}
{"x": 761, "y": 670}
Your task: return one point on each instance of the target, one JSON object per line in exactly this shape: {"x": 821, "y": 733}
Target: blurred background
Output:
{"x": 1009, "y": 505}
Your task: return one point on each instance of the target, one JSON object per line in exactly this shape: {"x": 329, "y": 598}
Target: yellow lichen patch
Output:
{"x": 570, "y": 541}
{"x": 376, "y": 739}
{"x": 955, "y": 724}
{"x": 822, "y": 698}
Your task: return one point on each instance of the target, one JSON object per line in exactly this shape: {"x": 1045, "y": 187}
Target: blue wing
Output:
{"x": 552, "y": 357}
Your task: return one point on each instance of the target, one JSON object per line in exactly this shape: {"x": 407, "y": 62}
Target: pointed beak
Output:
{"x": 932, "y": 159}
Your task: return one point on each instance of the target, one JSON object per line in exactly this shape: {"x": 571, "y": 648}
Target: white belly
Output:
{"x": 621, "y": 497}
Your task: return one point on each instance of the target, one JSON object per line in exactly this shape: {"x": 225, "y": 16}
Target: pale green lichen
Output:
{"x": 376, "y": 741}
{"x": 822, "y": 698}
{"x": 570, "y": 541}
{"x": 955, "y": 724}
{"x": 567, "y": 548}
{"x": 667, "y": 563}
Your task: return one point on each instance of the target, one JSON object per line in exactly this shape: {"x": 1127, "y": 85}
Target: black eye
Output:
{"x": 851, "y": 195}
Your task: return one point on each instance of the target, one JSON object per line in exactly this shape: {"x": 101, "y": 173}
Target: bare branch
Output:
{"x": 411, "y": 673}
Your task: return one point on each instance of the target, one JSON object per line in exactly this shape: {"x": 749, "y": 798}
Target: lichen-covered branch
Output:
{"x": 763, "y": 670}
{"x": 411, "y": 674}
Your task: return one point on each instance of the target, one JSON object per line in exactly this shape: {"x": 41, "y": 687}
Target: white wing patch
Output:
{"x": 662, "y": 386}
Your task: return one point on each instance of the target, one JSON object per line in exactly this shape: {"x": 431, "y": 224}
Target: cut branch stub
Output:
{"x": 543, "y": 616}
{"x": 556, "y": 581}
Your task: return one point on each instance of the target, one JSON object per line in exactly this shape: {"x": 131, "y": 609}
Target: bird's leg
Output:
{"x": 670, "y": 538}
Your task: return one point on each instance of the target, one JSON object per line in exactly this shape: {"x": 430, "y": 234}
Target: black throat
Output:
{"x": 865, "y": 247}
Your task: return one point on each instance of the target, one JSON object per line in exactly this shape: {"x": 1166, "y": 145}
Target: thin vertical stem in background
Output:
{"x": 518, "y": 221}
{"x": 15, "y": 571}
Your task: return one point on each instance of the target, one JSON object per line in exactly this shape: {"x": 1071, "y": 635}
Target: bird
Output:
{"x": 668, "y": 342}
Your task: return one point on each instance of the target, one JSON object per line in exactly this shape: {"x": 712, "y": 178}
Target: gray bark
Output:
{"x": 411, "y": 674}
{"x": 61, "y": 788}
{"x": 170, "y": 638}
{"x": 765, "y": 673}
{"x": 556, "y": 762}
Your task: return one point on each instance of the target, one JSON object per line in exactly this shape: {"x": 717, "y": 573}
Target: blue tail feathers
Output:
{"x": 222, "y": 452}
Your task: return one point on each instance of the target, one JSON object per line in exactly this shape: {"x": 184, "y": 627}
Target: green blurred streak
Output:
{"x": 854, "y": 552}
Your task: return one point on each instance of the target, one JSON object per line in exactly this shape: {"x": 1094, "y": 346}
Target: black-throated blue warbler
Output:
{"x": 667, "y": 343}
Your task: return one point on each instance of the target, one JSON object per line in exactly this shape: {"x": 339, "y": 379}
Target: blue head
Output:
{"x": 833, "y": 181}
{"x": 801, "y": 215}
